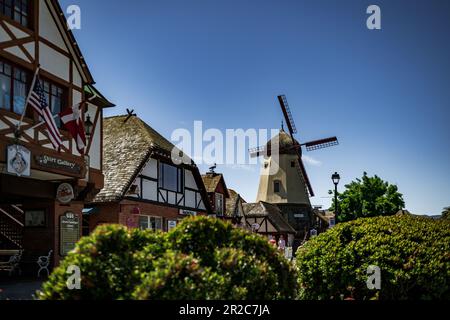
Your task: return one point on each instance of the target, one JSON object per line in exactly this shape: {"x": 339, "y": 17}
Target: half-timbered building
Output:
{"x": 218, "y": 193}
{"x": 145, "y": 187}
{"x": 43, "y": 190}
{"x": 268, "y": 220}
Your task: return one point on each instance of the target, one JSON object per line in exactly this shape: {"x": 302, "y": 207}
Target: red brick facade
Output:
{"x": 127, "y": 213}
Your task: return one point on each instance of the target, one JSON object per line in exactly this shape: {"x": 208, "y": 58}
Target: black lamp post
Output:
{"x": 336, "y": 178}
{"x": 88, "y": 126}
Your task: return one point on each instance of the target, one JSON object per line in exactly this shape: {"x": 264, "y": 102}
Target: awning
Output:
{"x": 90, "y": 211}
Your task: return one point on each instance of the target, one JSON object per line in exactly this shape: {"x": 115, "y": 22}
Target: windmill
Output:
{"x": 294, "y": 148}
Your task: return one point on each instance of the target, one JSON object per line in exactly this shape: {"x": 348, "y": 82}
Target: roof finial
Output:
{"x": 212, "y": 169}
{"x": 130, "y": 114}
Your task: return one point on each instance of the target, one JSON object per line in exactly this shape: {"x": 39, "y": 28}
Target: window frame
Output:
{"x": 218, "y": 196}
{"x": 30, "y": 114}
{"x": 149, "y": 218}
{"x": 179, "y": 174}
{"x": 29, "y": 13}
{"x": 12, "y": 81}
{"x": 63, "y": 98}
{"x": 276, "y": 186}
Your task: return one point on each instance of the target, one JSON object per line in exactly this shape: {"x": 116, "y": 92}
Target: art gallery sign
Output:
{"x": 50, "y": 162}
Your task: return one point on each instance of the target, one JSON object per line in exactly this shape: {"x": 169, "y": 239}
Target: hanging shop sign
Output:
{"x": 69, "y": 232}
{"x": 58, "y": 164}
{"x": 19, "y": 161}
{"x": 65, "y": 193}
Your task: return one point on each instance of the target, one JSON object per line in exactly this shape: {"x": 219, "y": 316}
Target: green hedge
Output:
{"x": 202, "y": 258}
{"x": 413, "y": 254}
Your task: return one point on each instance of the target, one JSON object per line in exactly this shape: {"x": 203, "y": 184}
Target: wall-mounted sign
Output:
{"x": 19, "y": 161}
{"x": 187, "y": 212}
{"x": 171, "y": 224}
{"x": 58, "y": 164}
{"x": 255, "y": 227}
{"x": 299, "y": 215}
{"x": 133, "y": 222}
{"x": 69, "y": 232}
{"x": 65, "y": 193}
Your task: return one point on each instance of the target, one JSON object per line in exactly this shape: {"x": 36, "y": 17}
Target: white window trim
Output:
{"x": 148, "y": 221}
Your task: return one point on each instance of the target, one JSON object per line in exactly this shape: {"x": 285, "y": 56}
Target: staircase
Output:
{"x": 11, "y": 229}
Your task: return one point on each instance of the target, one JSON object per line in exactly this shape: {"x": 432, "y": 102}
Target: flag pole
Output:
{"x": 19, "y": 125}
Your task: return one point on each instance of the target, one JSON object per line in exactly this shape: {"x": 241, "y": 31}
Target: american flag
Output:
{"x": 39, "y": 104}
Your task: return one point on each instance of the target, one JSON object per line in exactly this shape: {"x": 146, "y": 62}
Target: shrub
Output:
{"x": 202, "y": 258}
{"x": 413, "y": 254}
{"x": 109, "y": 264}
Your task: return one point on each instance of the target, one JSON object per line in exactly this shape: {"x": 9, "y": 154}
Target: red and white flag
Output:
{"x": 71, "y": 118}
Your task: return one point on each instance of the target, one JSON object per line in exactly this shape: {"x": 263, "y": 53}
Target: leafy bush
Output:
{"x": 413, "y": 254}
{"x": 202, "y": 258}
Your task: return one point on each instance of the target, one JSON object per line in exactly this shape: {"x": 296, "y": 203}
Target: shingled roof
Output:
{"x": 232, "y": 203}
{"x": 272, "y": 212}
{"x": 126, "y": 148}
{"x": 211, "y": 180}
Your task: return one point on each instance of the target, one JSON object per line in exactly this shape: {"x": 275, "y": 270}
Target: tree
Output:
{"x": 411, "y": 253}
{"x": 368, "y": 197}
{"x": 446, "y": 213}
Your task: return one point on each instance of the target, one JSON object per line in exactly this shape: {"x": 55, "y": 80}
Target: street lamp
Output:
{"x": 88, "y": 126}
{"x": 336, "y": 178}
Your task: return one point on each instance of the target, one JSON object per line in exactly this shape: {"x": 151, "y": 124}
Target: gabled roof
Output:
{"x": 97, "y": 98}
{"x": 212, "y": 180}
{"x": 127, "y": 146}
{"x": 70, "y": 40}
{"x": 232, "y": 203}
{"x": 272, "y": 212}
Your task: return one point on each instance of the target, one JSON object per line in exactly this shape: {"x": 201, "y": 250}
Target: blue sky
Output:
{"x": 384, "y": 93}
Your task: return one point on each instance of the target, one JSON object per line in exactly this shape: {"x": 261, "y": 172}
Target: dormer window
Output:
{"x": 17, "y": 10}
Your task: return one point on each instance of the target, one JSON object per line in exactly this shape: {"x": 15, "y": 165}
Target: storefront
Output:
{"x": 43, "y": 187}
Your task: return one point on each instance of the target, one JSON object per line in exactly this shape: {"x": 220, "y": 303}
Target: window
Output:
{"x": 54, "y": 96}
{"x": 15, "y": 85}
{"x": 13, "y": 88}
{"x": 171, "y": 178}
{"x": 276, "y": 186}
{"x": 17, "y": 10}
{"x": 219, "y": 203}
{"x": 292, "y": 164}
{"x": 150, "y": 223}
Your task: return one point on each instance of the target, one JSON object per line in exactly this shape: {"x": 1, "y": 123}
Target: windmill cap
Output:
{"x": 285, "y": 143}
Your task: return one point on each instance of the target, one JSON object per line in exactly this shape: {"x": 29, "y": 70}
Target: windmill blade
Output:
{"x": 305, "y": 176}
{"x": 321, "y": 144}
{"x": 287, "y": 114}
{"x": 256, "y": 152}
